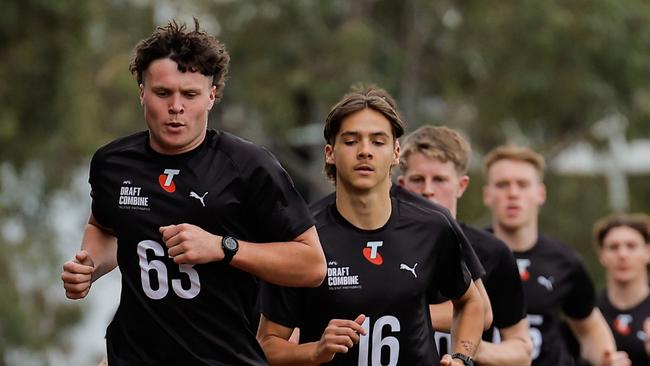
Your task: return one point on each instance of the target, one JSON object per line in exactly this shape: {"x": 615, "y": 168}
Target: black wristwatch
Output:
{"x": 230, "y": 247}
{"x": 467, "y": 361}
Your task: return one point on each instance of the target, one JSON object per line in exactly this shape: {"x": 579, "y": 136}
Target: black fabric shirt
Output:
{"x": 501, "y": 282}
{"x": 627, "y": 327}
{"x": 469, "y": 256}
{"x": 555, "y": 281}
{"x": 189, "y": 314}
{"x": 387, "y": 274}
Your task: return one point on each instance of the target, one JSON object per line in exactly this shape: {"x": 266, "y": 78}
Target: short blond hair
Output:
{"x": 516, "y": 153}
{"x": 436, "y": 142}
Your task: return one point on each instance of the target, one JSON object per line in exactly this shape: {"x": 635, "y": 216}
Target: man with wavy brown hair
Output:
{"x": 623, "y": 247}
{"x": 386, "y": 258}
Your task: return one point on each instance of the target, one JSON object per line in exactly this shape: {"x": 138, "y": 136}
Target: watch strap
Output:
{"x": 467, "y": 360}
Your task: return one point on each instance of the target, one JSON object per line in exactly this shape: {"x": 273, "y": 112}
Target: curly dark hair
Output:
{"x": 194, "y": 51}
{"x": 360, "y": 97}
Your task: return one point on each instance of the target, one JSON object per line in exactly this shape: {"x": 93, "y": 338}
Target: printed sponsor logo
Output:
{"x": 371, "y": 252}
{"x": 200, "y": 198}
{"x": 166, "y": 180}
{"x": 546, "y": 282}
{"x": 522, "y": 265}
{"x": 340, "y": 278}
{"x": 622, "y": 324}
{"x": 410, "y": 269}
{"x": 131, "y": 197}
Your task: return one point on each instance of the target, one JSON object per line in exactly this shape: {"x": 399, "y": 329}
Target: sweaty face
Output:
{"x": 514, "y": 193}
{"x": 364, "y": 150}
{"x": 625, "y": 254}
{"x": 437, "y": 181}
{"x": 176, "y": 106}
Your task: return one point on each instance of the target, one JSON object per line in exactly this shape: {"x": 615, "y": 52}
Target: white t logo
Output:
{"x": 170, "y": 173}
{"x": 523, "y": 264}
{"x": 374, "y": 245}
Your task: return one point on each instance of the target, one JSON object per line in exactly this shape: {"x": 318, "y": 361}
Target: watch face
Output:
{"x": 230, "y": 243}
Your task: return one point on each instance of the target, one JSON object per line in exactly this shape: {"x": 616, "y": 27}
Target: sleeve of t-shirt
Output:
{"x": 581, "y": 299}
{"x": 273, "y": 204}
{"x": 471, "y": 260}
{"x": 98, "y": 206}
{"x": 506, "y": 291}
{"x": 453, "y": 277}
{"x": 282, "y": 305}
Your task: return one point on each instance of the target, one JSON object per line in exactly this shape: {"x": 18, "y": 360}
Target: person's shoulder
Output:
{"x": 326, "y": 215}
{"x": 602, "y": 300}
{"x": 484, "y": 239}
{"x": 319, "y": 206}
{"x": 244, "y": 154}
{"x": 419, "y": 209}
{"x": 234, "y": 145}
{"x": 136, "y": 141}
{"x": 555, "y": 247}
{"x": 419, "y": 203}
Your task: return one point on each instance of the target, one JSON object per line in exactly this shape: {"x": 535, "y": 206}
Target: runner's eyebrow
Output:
{"x": 357, "y": 134}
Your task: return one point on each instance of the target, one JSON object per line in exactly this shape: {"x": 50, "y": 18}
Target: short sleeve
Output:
{"x": 282, "y": 305}
{"x": 451, "y": 271}
{"x": 506, "y": 292}
{"x": 99, "y": 206}
{"x": 581, "y": 300}
{"x": 273, "y": 204}
{"x": 472, "y": 262}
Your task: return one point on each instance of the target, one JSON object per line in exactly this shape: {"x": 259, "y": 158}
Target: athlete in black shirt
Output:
{"x": 183, "y": 211}
{"x": 386, "y": 259}
{"x": 472, "y": 262}
{"x": 434, "y": 163}
{"x": 623, "y": 245}
{"x": 553, "y": 276}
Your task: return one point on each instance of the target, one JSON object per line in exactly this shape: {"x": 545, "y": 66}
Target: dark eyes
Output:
{"x": 164, "y": 93}
{"x": 419, "y": 179}
{"x": 374, "y": 142}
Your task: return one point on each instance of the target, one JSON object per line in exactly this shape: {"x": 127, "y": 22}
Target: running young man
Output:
{"x": 183, "y": 211}
{"x": 623, "y": 244}
{"x": 386, "y": 259}
{"x": 553, "y": 276}
{"x": 433, "y": 163}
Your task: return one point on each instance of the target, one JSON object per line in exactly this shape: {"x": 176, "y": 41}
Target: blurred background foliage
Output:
{"x": 538, "y": 73}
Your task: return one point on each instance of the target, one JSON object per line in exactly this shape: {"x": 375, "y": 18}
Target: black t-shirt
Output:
{"x": 469, "y": 256}
{"x": 501, "y": 281}
{"x": 627, "y": 327}
{"x": 555, "y": 282}
{"x": 387, "y": 274}
{"x": 189, "y": 314}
